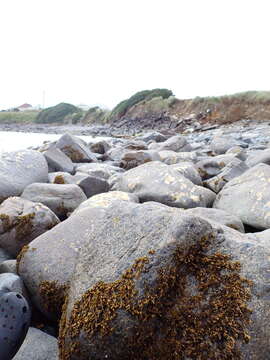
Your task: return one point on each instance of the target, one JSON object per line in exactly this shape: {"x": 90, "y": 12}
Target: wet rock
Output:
{"x": 155, "y": 181}
{"x": 38, "y": 346}
{"x": 248, "y": 197}
{"x": 19, "y": 169}
{"x": 61, "y": 199}
{"x": 58, "y": 161}
{"x": 21, "y": 221}
{"x": 75, "y": 149}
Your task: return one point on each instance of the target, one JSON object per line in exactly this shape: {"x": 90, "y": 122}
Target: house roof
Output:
{"x": 24, "y": 106}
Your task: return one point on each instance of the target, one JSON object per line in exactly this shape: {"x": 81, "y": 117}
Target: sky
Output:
{"x": 103, "y": 51}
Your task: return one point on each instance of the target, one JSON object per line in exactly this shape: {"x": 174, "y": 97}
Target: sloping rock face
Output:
{"x": 21, "y": 221}
{"x": 152, "y": 283}
{"x": 75, "y": 149}
{"x": 248, "y": 197}
{"x": 155, "y": 181}
{"x": 58, "y": 161}
{"x": 19, "y": 169}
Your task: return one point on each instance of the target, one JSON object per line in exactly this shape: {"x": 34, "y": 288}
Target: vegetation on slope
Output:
{"x": 59, "y": 113}
{"x": 121, "y": 109}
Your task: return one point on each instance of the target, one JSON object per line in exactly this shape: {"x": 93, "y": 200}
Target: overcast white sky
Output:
{"x": 103, "y": 51}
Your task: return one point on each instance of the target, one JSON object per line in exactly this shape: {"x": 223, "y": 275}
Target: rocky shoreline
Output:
{"x": 152, "y": 246}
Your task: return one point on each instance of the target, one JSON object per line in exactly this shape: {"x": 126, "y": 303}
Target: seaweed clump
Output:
{"x": 21, "y": 254}
{"x": 197, "y": 309}
{"x": 24, "y": 225}
{"x": 59, "y": 179}
{"x": 73, "y": 154}
{"x": 53, "y": 296}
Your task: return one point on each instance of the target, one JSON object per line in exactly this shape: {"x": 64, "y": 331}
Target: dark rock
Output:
{"x": 92, "y": 185}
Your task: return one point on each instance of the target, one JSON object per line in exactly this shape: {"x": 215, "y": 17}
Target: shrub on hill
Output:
{"x": 58, "y": 113}
{"x": 95, "y": 115}
{"x": 121, "y": 109}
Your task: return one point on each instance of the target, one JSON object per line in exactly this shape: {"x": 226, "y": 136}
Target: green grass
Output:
{"x": 247, "y": 96}
{"x": 18, "y": 117}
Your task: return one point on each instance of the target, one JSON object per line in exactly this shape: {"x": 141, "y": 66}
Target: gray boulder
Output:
{"x": 170, "y": 277}
{"x": 212, "y": 166}
{"x": 248, "y": 197}
{"x": 235, "y": 168}
{"x": 152, "y": 136}
{"x": 8, "y": 266}
{"x": 220, "y": 144}
{"x": 131, "y": 159}
{"x": 105, "y": 200}
{"x": 58, "y": 161}
{"x": 38, "y": 346}
{"x": 189, "y": 171}
{"x": 61, "y": 199}
{"x": 21, "y": 221}
{"x": 19, "y": 169}
{"x": 219, "y": 216}
{"x": 171, "y": 157}
{"x": 92, "y": 185}
{"x": 155, "y": 181}
{"x": 175, "y": 143}
{"x": 75, "y": 149}
{"x": 257, "y": 157}
{"x": 103, "y": 171}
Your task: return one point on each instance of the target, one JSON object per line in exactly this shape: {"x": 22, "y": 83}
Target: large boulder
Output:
{"x": 189, "y": 171}
{"x": 155, "y": 181}
{"x": 19, "y": 169}
{"x": 75, "y": 149}
{"x": 58, "y": 161}
{"x": 153, "y": 283}
{"x": 248, "y": 197}
{"x": 38, "y": 346}
{"x": 21, "y": 221}
{"x": 61, "y": 199}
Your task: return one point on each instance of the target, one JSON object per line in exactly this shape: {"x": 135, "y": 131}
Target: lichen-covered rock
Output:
{"x": 155, "y": 181}
{"x": 75, "y": 149}
{"x": 61, "y": 199}
{"x": 58, "y": 161}
{"x": 170, "y": 287}
{"x": 248, "y": 197}
{"x": 103, "y": 171}
{"x": 19, "y": 169}
{"x": 21, "y": 221}
{"x": 189, "y": 171}
{"x": 38, "y": 346}
{"x": 171, "y": 157}
{"x": 105, "y": 200}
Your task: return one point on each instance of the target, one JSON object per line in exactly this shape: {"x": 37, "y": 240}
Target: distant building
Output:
{"x": 25, "y": 107}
